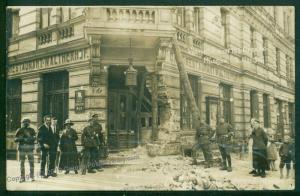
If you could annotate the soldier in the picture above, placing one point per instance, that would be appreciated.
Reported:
(90, 143)
(98, 130)
(203, 137)
(224, 133)
(25, 136)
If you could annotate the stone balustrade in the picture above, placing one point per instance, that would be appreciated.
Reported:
(131, 15)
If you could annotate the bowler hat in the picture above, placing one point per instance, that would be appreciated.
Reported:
(68, 121)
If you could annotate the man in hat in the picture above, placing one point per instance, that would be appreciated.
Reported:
(203, 137)
(90, 143)
(98, 130)
(48, 144)
(25, 137)
(224, 133)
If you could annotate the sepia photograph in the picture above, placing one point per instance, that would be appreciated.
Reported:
(164, 98)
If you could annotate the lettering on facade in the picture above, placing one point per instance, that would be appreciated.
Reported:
(49, 62)
(79, 101)
(207, 67)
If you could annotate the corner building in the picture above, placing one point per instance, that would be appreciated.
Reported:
(71, 62)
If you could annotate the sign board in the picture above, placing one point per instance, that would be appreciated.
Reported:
(79, 101)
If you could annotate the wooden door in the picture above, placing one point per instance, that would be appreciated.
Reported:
(121, 119)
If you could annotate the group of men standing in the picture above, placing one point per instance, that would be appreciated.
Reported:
(49, 139)
(223, 135)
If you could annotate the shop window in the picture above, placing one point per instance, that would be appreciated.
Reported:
(13, 104)
(266, 108)
(56, 96)
(225, 102)
(279, 119)
(186, 120)
(291, 111)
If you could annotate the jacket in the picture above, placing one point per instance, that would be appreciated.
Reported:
(25, 136)
(260, 139)
(224, 132)
(89, 137)
(203, 134)
(46, 136)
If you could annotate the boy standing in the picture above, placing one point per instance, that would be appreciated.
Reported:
(285, 157)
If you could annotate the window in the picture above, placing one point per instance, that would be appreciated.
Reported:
(13, 20)
(279, 119)
(277, 60)
(225, 102)
(286, 21)
(56, 96)
(291, 119)
(291, 69)
(224, 29)
(288, 71)
(252, 42)
(266, 108)
(45, 14)
(197, 19)
(65, 14)
(186, 120)
(13, 104)
(265, 51)
(275, 13)
(254, 109)
(181, 16)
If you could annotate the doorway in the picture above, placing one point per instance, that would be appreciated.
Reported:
(125, 107)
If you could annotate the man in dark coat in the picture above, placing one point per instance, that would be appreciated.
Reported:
(48, 144)
(224, 134)
(90, 143)
(203, 137)
(260, 141)
(25, 136)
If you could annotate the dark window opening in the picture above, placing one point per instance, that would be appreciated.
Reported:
(13, 104)
(225, 102)
(266, 108)
(254, 108)
(56, 96)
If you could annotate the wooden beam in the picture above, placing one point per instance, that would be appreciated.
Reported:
(186, 83)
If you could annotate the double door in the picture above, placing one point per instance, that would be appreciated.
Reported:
(122, 125)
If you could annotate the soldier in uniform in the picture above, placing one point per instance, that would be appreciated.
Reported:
(224, 133)
(25, 136)
(90, 143)
(98, 130)
(203, 137)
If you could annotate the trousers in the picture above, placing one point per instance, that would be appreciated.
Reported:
(22, 157)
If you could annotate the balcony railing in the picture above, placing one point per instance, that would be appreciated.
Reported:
(131, 15)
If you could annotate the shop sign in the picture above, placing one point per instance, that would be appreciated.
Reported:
(79, 101)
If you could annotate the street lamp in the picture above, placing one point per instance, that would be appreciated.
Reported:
(130, 73)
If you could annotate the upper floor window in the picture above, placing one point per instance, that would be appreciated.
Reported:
(266, 108)
(286, 21)
(197, 18)
(277, 60)
(224, 30)
(65, 14)
(180, 16)
(252, 41)
(254, 108)
(13, 20)
(265, 51)
(288, 67)
(45, 14)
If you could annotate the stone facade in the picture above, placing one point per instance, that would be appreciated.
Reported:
(216, 46)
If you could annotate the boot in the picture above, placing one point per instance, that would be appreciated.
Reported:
(194, 162)
(287, 173)
(281, 175)
(229, 169)
(76, 172)
(224, 167)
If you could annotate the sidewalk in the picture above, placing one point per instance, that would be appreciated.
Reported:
(134, 170)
